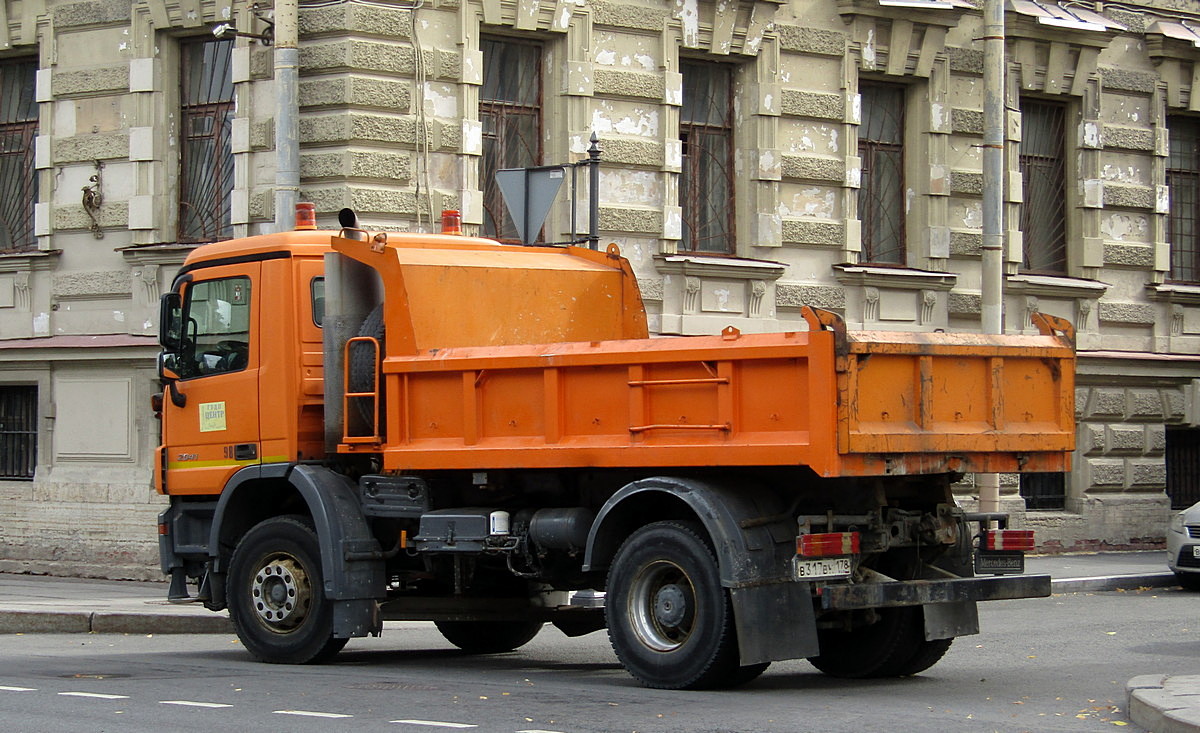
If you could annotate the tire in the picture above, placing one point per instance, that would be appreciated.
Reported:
(489, 637)
(928, 654)
(364, 368)
(883, 649)
(1188, 581)
(276, 594)
(670, 621)
(749, 673)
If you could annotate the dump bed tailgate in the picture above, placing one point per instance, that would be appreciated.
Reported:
(956, 394)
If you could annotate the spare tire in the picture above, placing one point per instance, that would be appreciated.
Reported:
(364, 367)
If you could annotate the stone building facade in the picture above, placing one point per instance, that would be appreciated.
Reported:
(758, 156)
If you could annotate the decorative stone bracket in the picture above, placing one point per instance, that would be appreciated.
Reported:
(702, 294)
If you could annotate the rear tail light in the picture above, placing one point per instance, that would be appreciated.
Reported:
(1007, 539)
(828, 544)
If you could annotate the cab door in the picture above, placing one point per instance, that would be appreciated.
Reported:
(216, 431)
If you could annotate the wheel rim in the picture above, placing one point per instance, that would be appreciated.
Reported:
(281, 593)
(662, 606)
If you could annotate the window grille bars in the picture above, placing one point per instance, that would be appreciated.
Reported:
(1044, 175)
(206, 152)
(881, 194)
(706, 180)
(18, 177)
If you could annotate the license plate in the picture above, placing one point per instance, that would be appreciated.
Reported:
(826, 567)
(1195, 550)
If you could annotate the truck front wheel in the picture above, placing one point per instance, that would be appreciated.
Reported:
(276, 596)
(669, 619)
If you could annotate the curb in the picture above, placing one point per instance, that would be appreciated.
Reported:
(1114, 582)
(104, 622)
(1164, 704)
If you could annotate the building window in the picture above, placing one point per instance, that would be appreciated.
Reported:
(1045, 491)
(706, 181)
(206, 153)
(1183, 466)
(881, 196)
(1183, 180)
(18, 432)
(510, 110)
(18, 178)
(1044, 176)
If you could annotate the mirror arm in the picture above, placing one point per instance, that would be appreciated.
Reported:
(179, 399)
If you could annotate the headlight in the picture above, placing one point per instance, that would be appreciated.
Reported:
(1177, 523)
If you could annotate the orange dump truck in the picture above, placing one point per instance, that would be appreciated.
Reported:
(360, 428)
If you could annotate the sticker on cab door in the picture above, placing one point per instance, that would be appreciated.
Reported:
(212, 416)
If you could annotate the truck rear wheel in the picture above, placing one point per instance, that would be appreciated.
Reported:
(927, 655)
(276, 594)
(886, 648)
(489, 637)
(669, 619)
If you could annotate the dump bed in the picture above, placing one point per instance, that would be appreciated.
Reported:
(843, 403)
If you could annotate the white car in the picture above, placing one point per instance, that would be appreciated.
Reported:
(1183, 547)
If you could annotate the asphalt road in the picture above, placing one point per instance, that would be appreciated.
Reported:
(1057, 664)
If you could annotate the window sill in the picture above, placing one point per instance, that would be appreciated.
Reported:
(1054, 286)
(1181, 293)
(28, 259)
(894, 277)
(717, 266)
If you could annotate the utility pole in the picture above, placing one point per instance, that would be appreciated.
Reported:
(992, 286)
(287, 113)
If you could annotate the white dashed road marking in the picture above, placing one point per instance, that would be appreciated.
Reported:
(311, 714)
(302, 713)
(194, 704)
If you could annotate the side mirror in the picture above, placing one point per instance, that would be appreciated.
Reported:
(170, 321)
(168, 366)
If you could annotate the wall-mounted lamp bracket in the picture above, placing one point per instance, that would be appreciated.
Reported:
(93, 198)
(262, 13)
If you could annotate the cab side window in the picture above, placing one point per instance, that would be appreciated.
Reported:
(317, 287)
(216, 327)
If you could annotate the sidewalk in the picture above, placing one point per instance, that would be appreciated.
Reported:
(42, 604)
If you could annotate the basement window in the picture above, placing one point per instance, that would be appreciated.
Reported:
(18, 432)
(1044, 491)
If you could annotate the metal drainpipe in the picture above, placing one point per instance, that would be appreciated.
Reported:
(992, 290)
(287, 115)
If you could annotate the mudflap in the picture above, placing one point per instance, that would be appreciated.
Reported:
(948, 620)
(775, 622)
(359, 617)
